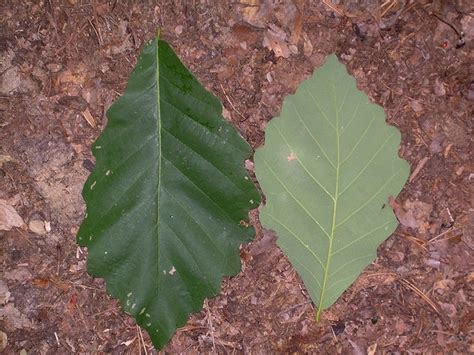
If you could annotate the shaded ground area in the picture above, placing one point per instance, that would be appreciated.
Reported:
(64, 62)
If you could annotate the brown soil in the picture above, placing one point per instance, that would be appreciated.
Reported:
(64, 62)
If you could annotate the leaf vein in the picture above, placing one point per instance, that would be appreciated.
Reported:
(219, 250)
(319, 107)
(296, 200)
(368, 163)
(343, 266)
(313, 137)
(360, 238)
(203, 157)
(368, 200)
(304, 167)
(197, 187)
(189, 287)
(354, 114)
(298, 239)
(359, 141)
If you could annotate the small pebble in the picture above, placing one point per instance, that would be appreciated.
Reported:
(178, 30)
(54, 67)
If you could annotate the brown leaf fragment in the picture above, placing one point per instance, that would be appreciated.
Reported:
(467, 320)
(255, 13)
(449, 309)
(266, 242)
(443, 285)
(275, 40)
(40, 282)
(9, 218)
(298, 26)
(401, 327)
(244, 33)
(102, 9)
(73, 102)
(413, 214)
(13, 318)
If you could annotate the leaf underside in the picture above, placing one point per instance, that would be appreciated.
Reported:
(328, 165)
(165, 201)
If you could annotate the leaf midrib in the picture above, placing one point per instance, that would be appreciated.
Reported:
(336, 196)
(158, 128)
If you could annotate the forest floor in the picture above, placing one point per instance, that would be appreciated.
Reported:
(63, 64)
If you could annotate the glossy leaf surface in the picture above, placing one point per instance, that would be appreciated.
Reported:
(167, 197)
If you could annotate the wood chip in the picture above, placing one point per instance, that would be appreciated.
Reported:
(298, 26)
(420, 166)
(37, 227)
(88, 117)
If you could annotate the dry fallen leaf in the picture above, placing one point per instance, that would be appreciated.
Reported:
(298, 26)
(256, 12)
(9, 218)
(40, 282)
(14, 318)
(275, 40)
(443, 285)
(413, 214)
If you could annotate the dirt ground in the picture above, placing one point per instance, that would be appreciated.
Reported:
(64, 62)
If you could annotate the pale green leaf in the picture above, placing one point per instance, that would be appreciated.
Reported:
(327, 168)
(167, 198)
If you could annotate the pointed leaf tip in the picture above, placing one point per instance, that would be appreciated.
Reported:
(166, 197)
(328, 165)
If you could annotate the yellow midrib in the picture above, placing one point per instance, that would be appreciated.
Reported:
(333, 227)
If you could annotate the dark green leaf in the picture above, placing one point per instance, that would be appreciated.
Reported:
(165, 201)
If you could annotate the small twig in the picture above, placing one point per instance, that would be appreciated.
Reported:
(72, 38)
(57, 338)
(390, 22)
(99, 40)
(84, 286)
(388, 4)
(96, 30)
(334, 8)
(435, 239)
(141, 341)
(460, 34)
(294, 307)
(333, 334)
(211, 329)
(231, 104)
(420, 166)
(190, 328)
(417, 241)
(420, 293)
